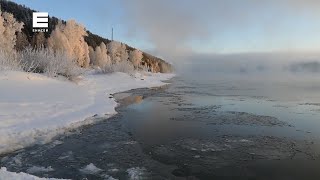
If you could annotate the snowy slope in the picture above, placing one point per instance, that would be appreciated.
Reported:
(35, 108)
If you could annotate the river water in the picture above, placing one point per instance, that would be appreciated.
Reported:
(200, 126)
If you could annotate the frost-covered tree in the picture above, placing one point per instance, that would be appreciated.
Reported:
(102, 59)
(100, 56)
(39, 40)
(69, 38)
(165, 68)
(22, 41)
(117, 51)
(135, 57)
(92, 55)
(9, 26)
(75, 34)
(113, 47)
(58, 41)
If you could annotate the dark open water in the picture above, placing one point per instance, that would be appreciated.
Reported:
(202, 126)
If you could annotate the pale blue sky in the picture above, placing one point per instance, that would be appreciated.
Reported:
(205, 26)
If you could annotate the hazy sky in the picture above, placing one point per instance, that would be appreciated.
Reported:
(199, 26)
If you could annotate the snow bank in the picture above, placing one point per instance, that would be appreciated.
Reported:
(35, 108)
(6, 175)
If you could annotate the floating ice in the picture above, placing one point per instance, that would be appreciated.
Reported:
(39, 169)
(90, 169)
(108, 177)
(136, 173)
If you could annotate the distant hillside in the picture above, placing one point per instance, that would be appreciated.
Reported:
(27, 37)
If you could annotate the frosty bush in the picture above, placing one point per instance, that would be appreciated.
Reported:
(51, 63)
(8, 61)
(122, 66)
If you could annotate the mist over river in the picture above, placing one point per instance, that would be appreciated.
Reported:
(245, 121)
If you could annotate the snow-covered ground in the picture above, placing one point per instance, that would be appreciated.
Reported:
(7, 175)
(35, 108)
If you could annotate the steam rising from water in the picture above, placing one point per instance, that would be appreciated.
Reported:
(181, 30)
(255, 63)
(177, 28)
(276, 76)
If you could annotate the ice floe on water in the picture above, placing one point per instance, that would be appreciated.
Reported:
(56, 143)
(90, 169)
(136, 173)
(66, 155)
(130, 142)
(94, 170)
(39, 169)
(108, 177)
(15, 161)
(238, 140)
(113, 170)
(203, 146)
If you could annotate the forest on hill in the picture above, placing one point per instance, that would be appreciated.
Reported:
(68, 40)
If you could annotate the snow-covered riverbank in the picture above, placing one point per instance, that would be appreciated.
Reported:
(35, 108)
(7, 175)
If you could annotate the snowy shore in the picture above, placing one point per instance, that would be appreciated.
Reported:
(35, 108)
(7, 175)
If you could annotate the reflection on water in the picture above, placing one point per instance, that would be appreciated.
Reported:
(129, 99)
